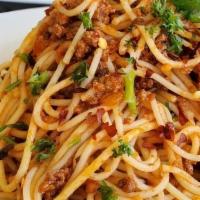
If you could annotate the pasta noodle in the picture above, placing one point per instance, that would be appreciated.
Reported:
(101, 101)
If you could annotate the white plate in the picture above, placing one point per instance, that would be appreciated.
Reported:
(30, 1)
(14, 27)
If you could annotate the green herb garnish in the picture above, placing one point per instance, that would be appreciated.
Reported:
(190, 9)
(158, 8)
(130, 43)
(19, 125)
(76, 140)
(123, 148)
(38, 81)
(167, 104)
(12, 86)
(8, 139)
(176, 44)
(152, 30)
(45, 148)
(131, 60)
(85, 18)
(4, 151)
(80, 73)
(107, 192)
(170, 23)
(130, 97)
(25, 57)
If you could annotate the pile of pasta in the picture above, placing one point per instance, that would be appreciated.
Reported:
(112, 116)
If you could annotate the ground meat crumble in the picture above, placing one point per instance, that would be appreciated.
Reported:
(54, 183)
(106, 85)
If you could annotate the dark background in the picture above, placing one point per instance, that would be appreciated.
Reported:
(5, 7)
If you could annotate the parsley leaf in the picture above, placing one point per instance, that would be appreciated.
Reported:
(38, 81)
(130, 43)
(85, 18)
(80, 73)
(194, 16)
(190, 9)
(123, 148)
(131, 60)
(75, 140)
(24, 57)
(107, 192)
(8, 139)
(167, 104)
(45, 148)
(12, 86)
(4, 151)
(130, 97)
(171, 24)
(152, 30)
(176, 44)
(19, 125)
(158, 7)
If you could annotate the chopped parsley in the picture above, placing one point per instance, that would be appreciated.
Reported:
(8, 139)
(80, 73)
(107, 192)
(12, 86)
(176, 44)
(130, 98)
(170, 23)
(158, 8)
(4, 151)
(38, 81)
(123, 148)
(44, 148)
(85, 18)
(167, 104)
(25, 57)
(76, 140)
(189, 8)
(130, 43)
(131, 60)
(152, 30)
(19, 125)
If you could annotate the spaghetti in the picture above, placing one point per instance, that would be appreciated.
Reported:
(102, 101)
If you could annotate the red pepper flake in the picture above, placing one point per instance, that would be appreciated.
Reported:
(91, 119)
(169, 131)
(91, 186)
(128, 121)
(100, 113)
(181, 117)
(182, 139)
(149, 73)
(62, 114)
(148, 145)
(111, 130)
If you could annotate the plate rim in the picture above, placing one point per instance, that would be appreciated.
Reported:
(9, 42)
(23, 10)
